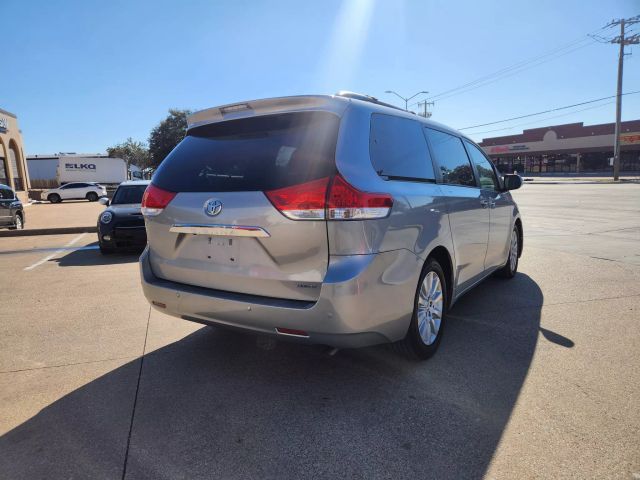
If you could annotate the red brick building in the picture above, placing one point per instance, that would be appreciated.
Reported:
(569, 148)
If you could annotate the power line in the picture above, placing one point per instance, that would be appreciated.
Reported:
(546, 111)
(542, 119)
(517, 67)
(513, 72)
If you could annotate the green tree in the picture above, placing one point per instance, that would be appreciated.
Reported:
(132, 152)
(167, 134)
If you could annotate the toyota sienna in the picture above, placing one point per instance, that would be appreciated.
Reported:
(334, 220)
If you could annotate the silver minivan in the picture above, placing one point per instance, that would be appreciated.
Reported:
(334, 220)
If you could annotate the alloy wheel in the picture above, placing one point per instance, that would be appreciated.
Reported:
(430, 307)
(513, 253)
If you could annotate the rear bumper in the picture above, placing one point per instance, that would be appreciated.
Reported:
(364, 300)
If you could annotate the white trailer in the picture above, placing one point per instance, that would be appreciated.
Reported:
(103, 170)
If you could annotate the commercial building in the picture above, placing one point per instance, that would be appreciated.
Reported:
(13, 168)
(569, 148)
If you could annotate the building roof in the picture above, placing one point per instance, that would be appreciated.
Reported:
(568, 130)
(55, 156)
(4, 112)
(135, 182)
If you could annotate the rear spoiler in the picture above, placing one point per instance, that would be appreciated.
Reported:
(254, 108)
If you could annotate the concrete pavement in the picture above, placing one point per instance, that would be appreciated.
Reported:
(71, 216)
(536, 378)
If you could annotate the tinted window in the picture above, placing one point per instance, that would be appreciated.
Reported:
(451, 158)
(6, 194)
(398, 148)
(252, 154)
(128, 194)
(486, 173)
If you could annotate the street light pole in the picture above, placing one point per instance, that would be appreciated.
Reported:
(406, 99)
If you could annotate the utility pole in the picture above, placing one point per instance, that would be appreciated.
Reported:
(622, 40)
(425, 113)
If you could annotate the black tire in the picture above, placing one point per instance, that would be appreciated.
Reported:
(54, 198)
(413, 345)
(92, 196)
(510, 268)
(18, 223)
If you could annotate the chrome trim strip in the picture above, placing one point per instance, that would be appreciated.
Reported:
(220, 230)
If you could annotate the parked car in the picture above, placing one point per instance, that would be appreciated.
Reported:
(75, 191)
(334, 220)
(121, 225)
(11, 209)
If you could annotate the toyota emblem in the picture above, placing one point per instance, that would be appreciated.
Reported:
(212, 207)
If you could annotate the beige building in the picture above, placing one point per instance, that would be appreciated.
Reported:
(13, 166)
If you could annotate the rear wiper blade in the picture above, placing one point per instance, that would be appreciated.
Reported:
(223, 175)
(408, 179)
(220, 175)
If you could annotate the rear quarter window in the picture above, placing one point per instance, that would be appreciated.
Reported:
(252, 154)
(398, 148)
(451, 158)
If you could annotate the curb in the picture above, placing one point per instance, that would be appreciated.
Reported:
(47, 231)
(578, 182)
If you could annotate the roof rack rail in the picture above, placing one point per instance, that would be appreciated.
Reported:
(366, 98)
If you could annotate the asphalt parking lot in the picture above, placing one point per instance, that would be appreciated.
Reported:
(537, 377)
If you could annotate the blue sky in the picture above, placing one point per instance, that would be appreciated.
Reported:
(84, 75)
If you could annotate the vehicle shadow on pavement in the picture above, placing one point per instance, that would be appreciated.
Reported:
(92, 256)
(218, 404)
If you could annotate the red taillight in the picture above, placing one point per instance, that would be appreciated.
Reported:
(345, 202)
(301, 202)
(154, 200)
(310, 201)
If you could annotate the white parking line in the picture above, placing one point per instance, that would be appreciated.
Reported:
(49, 257)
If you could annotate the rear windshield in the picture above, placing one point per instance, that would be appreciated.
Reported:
(252, 154)
(129, 194)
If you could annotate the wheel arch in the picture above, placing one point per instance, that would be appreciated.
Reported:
(518, 225)
(443, 257)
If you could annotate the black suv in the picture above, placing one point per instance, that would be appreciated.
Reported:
(11, 210)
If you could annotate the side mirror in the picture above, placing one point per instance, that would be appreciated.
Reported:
(104, 201)
(512, 181)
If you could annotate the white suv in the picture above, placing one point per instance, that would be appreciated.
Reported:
(75, 191)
